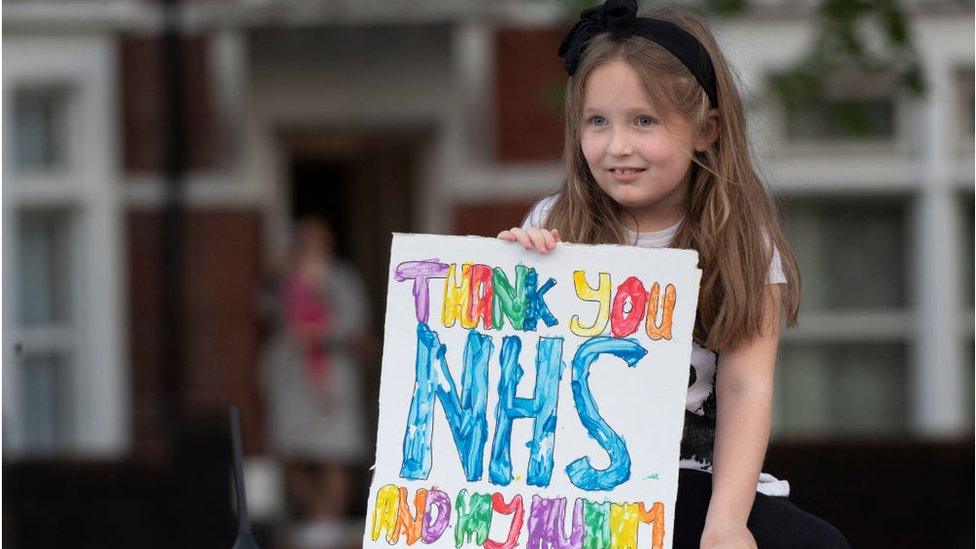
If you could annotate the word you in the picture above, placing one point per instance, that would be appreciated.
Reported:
(602, 525)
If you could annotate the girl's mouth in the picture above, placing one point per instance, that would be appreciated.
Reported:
(626, 175)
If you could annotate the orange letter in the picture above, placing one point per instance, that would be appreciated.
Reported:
(663, 330)
(654, 517)
(407, 523)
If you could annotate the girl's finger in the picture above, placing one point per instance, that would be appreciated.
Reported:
(550, 241)
(555, 235)
(506, 235)
(523, 237)
(539, 241)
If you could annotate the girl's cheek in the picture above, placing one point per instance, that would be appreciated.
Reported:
(592, 148)
(658, 151)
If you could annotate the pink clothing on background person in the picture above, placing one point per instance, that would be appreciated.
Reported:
(307, 310)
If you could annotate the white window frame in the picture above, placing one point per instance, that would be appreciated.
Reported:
(899, 144)
(826, 327)
(89, 188)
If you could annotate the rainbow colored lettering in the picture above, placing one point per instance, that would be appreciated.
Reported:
(602, 525)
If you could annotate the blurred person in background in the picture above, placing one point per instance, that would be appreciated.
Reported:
(311, 372)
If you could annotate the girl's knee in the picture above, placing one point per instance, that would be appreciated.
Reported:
(823, 535)
(779, 523)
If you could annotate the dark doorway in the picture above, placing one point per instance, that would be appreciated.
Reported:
(319, 187)
(365, 185)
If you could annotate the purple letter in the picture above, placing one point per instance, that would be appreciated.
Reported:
(431, 531)
(420, 271)
(546, 522)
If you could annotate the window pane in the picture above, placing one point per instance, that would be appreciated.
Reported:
(41, 127)
(44, 267)
(45, 401)
(872, 118)
(968, 379)
(841, 389)
(967, 102)
(967, 222)
(851, 253)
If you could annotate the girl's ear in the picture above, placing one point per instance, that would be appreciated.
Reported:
(709, 134)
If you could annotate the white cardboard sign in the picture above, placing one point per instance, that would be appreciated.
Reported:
(530, 400)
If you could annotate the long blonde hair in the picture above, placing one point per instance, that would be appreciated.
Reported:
(730, 219)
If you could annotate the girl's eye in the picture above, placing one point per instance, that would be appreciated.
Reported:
(597, 120)
(644, 120)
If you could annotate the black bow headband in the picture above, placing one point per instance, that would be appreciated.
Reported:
(619, 18)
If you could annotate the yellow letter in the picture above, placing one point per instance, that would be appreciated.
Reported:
(385, 512)
(586, 293)
(663, 330)
(626, 517)
(456, 297)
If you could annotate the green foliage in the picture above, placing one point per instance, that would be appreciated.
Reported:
(724, 7)
(841, 47)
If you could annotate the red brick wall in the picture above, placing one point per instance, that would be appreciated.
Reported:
(489, 218)
(142, 112)
(529, 88)
(220, 327)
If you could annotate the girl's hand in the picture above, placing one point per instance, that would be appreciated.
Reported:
(542, 240)
(727, 535)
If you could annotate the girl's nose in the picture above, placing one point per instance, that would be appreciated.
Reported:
(620, 145)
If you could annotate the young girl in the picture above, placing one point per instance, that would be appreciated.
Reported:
(656, 155)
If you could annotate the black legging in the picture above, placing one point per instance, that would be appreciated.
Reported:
(775, 522)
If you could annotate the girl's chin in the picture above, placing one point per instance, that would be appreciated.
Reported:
(632, 201)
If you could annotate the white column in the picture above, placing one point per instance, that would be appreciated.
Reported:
(935, 385)
(464, 129)
(228, 49)
(103, 418)
(474, 74)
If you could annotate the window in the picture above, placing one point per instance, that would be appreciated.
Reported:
(45, 269)
(41, 126)
(46, 402)
(851, 253)
(844, 371)
(854, 109)
(842, 389)
(967, 224)
(46, 335)
(65, 390)
(966, 105)
(968, 378)
(867, 119)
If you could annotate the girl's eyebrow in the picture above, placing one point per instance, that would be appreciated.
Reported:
(631, 111)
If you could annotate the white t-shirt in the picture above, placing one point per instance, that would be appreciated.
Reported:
(697, 442)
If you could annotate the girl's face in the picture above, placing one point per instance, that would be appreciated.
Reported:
(642, 164)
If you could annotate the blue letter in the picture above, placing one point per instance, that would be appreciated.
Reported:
(542, 408)
(580, 472)
(466, 416)
(536, 307)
